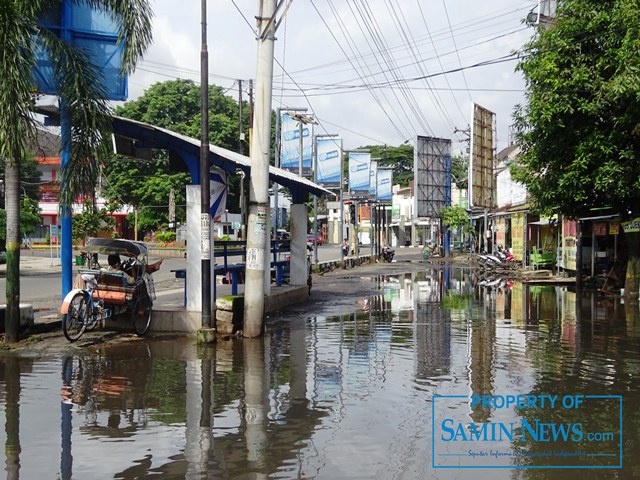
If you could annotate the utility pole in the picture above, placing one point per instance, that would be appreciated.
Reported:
(205, 193)
(240, 127)
(257, 253)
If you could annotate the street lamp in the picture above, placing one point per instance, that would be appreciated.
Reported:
(303, 119)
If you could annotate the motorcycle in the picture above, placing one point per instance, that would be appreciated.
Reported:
(388, 254)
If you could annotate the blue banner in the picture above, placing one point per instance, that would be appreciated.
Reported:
(329, 161)
(384, 186)
(373, 180)
(290, 145)
(359, 176)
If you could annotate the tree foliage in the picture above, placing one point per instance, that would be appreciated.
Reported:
(90, 221)
(579, 130)
(79, 82)
(455, 217)
(399, 158)
(30, 218)
(175, 105)
(146, 185)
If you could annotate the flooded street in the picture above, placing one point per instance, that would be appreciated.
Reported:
(412, 384)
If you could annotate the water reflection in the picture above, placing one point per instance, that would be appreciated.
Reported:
(328, 397)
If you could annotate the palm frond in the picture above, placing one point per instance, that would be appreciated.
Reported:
(134, 20)
(17, 59)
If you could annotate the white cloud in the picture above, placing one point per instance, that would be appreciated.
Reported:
(482, 31)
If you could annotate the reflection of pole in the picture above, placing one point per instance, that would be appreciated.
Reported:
(257, 255)
(12, 417)
(254, 397)
(66, 426)
(198, 423)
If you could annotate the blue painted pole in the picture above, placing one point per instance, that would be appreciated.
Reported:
(65, 213)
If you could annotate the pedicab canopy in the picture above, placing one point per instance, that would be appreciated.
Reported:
(106, 246)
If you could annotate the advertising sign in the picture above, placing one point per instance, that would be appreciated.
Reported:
(218, 192)
(329, 161)
(384, 188)
(359, 176)
(432, 173)
(373, 179)
(517, 235)
(481, 180)
(92, 30)
(569, 244)
(290, 145)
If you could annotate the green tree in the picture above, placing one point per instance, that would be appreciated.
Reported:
(90, 221)
(579, 130)
(80, 84)
(30, 218)
(146, 186)
(175, 105)
(399, 158)
(455, 217)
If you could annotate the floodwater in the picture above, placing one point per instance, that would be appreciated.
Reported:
(385, 392)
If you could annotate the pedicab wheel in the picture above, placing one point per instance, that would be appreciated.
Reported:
(141, 314)
(74, 322)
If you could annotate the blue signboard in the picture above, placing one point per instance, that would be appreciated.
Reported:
(329, 161)
(290, 145)
(359, 176)
(94, 32)
(385, 184)
(373, 179)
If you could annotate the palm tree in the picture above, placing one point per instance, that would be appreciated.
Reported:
(79, 83)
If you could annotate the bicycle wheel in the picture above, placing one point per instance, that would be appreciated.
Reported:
(74, 322)
(141, 314)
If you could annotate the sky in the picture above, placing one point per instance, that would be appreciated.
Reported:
(372, 71)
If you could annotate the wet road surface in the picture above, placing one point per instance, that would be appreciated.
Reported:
(375, 377)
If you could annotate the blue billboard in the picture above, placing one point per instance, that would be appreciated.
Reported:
(384, 186)
(290, 145)
(373, 179)
(359, 176)
(329, 161)
(91, 30)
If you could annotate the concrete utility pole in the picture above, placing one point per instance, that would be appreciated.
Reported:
(257, 238)
(205, 192)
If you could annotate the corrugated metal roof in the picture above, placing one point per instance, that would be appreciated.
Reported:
(221, 157)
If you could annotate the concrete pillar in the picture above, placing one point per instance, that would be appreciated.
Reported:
(194, 277)
(414, 233)
(299, 267)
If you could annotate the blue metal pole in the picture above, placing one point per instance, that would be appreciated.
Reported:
(66, 243)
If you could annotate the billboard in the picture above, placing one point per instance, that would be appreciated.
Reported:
(373, 179)
(290, 145)
(432, 174)
(329, 161)
(481, 180)
(91, 30)
(359, 166)
(384, 186)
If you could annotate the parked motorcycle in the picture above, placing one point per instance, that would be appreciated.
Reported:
(388, 254)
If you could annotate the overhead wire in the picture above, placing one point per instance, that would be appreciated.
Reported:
(377, 36)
